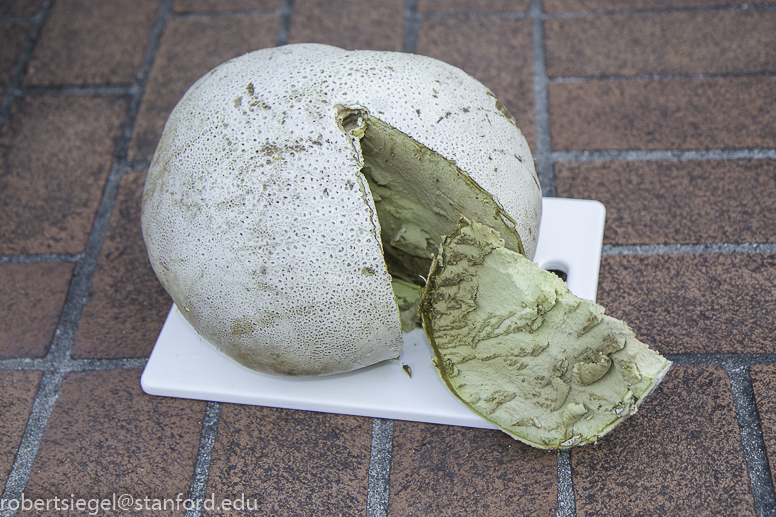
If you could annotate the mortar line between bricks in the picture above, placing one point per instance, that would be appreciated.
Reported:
(207, 440)
(139, 165)
(17, 18)
(93, 365)
(583, 14)
(379, 486)
(723, 360)
(286, 9)
(658, 10)
(31, 439)
(15, 83)
(566, 499)
(44, 257)
(760, 480)
(543, 156)
(756, 153)
(118, 90)
(72, 365)
(469, 15)
(411, 27)
(687, 249)
(228, 14)
(657, 77)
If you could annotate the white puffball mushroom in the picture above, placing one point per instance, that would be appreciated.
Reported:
(291, 184)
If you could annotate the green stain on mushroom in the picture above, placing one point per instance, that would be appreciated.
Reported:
(512, 342)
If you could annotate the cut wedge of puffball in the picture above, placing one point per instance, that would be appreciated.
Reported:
(516, 347)
(293, 185)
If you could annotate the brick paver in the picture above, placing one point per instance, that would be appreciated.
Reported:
(81, 45)
(328, 21)
(14, 36)
(20, 7)
(673, 113)
(32, 297)
(679, 455)
(444, 470)
(678, 202)
(104, 436)
(691, 42)
(56, 158)
(694, 303)
(302, 464)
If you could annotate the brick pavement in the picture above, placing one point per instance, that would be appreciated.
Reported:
(663, 110)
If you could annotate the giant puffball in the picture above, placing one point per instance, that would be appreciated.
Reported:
(292, 185)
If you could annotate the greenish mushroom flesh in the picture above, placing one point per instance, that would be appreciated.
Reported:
(516, 347)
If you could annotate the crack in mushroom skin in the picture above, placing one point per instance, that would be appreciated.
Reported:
(419, 197)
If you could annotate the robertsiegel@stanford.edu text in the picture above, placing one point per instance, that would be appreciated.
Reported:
(128, 502)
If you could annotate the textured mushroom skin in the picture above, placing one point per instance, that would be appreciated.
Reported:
(259, 222)
(512, 342)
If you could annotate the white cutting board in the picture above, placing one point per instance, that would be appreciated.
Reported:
(184, 365)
